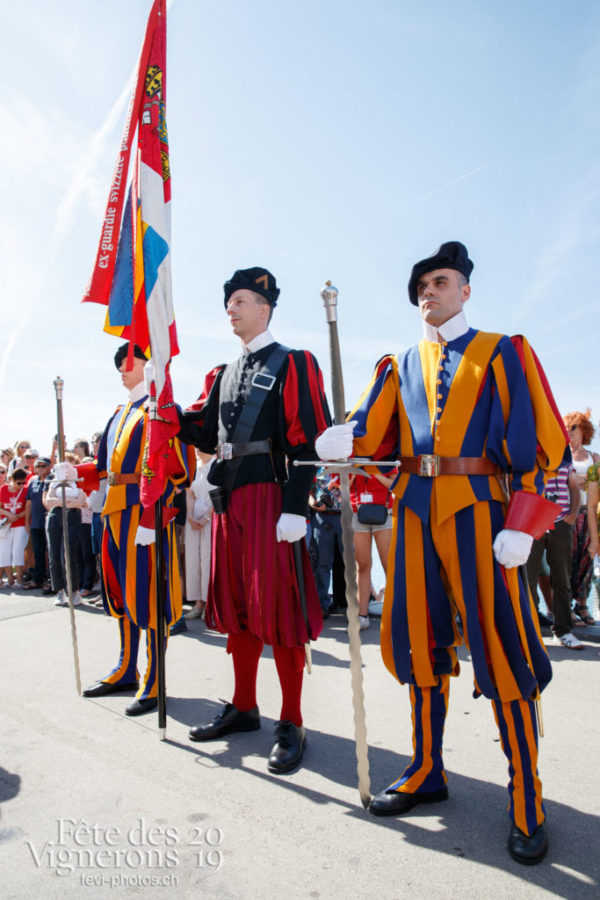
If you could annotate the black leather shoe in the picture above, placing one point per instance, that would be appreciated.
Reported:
(288, 749)
(397, 803)
(101, 688)
(230, 719)
(178, 627)
(139, 707)
(528, 849)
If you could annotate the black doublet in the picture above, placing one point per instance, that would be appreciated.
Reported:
(216, 422)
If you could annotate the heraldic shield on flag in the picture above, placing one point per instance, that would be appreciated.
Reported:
(132, 271)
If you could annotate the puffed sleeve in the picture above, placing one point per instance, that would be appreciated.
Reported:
(376, 414)
(534, 441)
(304, 414)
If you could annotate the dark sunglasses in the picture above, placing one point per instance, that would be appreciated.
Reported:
(18, 482)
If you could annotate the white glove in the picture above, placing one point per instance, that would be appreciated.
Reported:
(336, 442)
(65, 471)
(149, 376)
(512, 548)
(56, 491)
(95, 501)
(291, 527)
(144, 536)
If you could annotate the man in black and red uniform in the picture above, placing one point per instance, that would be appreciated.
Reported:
(258, 414)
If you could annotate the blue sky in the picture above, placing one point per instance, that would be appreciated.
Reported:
(328, 139)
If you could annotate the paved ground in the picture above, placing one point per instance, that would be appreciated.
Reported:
(94, 802)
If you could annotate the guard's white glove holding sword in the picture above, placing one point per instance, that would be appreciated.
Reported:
(65, 471)
(336, 442)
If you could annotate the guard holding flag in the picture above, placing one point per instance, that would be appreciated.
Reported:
(463, 409)
(258, 414)
(128, 568)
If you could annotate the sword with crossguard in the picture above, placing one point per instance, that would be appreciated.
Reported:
(329, 295)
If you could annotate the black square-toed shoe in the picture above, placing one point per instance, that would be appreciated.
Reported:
(139, 707)
(528, 849)
(102, 688)
(397, 803)
(229, 720)
(288, 749)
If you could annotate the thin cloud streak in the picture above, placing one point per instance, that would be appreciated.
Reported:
(450, 184)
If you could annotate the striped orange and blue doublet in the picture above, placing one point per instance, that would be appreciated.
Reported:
(476, 396)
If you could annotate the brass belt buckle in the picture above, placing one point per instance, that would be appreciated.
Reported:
(225, 451)
(429, 465)
(112, 479)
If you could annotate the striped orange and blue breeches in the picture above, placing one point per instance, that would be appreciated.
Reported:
(439, 571)
(128, 591)
(518, 734)
(126, 670)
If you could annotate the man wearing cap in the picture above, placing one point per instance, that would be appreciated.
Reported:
(259, 414)
(464, 408)
(127, 567)
(35, 518)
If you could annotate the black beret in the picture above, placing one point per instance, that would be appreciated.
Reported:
(123, 350)
(256, 279)
(451, 255)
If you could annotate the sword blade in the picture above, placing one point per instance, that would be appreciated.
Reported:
(358, 697)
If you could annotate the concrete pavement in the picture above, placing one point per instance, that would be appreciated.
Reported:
(94, 804)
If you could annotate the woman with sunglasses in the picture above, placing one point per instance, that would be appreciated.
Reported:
(6, 456)
(581, 431)
(18, 459)
(12, 508)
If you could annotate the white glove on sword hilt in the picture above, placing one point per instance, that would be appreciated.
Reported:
(336, 442)
(65, 471)
(512, 548)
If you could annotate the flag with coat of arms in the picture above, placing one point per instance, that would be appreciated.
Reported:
(132, 270)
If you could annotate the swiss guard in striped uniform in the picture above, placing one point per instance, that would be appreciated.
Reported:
(258, 414)
(128, 569)
(464, 409)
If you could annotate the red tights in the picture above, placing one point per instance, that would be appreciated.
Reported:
(245, 649)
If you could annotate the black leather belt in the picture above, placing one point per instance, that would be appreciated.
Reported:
(249, 448)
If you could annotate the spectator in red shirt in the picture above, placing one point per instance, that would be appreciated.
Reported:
(12, 507)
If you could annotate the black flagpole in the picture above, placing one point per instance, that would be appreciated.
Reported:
(159, 578)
